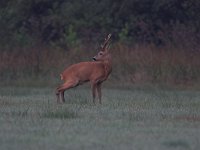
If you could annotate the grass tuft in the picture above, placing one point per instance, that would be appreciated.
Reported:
(20, 113)
(61, 114)
(176, 144)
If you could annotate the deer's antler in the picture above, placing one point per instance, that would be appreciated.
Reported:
(106, 41)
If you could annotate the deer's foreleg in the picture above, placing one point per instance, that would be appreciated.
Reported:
(99, 91)
(94, 89)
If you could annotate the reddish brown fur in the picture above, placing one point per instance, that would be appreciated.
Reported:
(96, 72)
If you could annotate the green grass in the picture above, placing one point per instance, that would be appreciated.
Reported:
(129, 118)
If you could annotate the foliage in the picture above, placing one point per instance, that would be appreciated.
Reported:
(64, 22)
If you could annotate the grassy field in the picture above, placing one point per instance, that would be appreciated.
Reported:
(129, 118)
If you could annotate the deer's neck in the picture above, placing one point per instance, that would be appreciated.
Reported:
(108, 66)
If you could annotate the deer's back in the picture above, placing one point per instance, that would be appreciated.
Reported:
(84, 71)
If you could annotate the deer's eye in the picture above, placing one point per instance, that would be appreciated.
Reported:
(100, 54)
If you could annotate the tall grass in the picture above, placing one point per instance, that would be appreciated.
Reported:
(138, 64)
(141, 64)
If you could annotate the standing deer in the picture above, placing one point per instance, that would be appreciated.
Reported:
(95, 72)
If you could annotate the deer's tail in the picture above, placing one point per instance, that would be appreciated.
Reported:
(61, 76)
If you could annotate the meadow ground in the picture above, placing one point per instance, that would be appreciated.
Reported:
(129, 118)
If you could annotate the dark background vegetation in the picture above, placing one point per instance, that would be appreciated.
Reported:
(154, 41)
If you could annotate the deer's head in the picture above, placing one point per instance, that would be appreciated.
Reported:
(103, 54)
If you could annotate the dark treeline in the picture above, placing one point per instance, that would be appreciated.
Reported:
(154, 41)
(66, 23)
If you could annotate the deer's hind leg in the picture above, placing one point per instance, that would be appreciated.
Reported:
(58, 93)
(61, 89)
(63, 96)
(58, 97)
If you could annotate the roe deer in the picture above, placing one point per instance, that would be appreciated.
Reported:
(95, 71)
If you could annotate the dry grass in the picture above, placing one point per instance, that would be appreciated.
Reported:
(140, 64)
